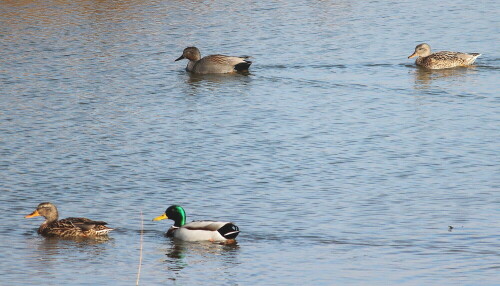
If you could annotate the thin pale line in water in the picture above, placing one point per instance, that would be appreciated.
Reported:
(140, 251)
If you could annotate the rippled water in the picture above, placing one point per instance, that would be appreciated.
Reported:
(340, 161)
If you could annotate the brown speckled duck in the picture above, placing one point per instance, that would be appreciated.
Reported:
(214, 63)
(441, 60)
(68, 227)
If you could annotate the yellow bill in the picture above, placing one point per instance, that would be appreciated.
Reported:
(33, 214)
(412, 55)
(163, 216)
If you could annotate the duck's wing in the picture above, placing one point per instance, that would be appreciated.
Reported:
(446, 59)
(455, 57)
(82, 223)
(469, 59)
(205, 225)
(227, 230)
(221, 64)
(226, 60)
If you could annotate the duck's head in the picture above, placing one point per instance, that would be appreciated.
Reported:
(175, 213)
(190, 53)
(422, 50)
(47, 210)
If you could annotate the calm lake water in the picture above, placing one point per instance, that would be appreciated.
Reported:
(341, 162)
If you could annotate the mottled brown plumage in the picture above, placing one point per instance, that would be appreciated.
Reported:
(441, 60)
(68, 227)
(213, 63)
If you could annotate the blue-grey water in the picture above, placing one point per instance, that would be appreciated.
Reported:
(341, 162)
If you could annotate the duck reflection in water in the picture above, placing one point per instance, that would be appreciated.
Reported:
(218, 78)
(196, 84)
(181, 254)
(425, 77)
(49, 253)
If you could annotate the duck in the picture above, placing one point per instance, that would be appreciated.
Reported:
(71, 227)
(441, 60)
(206, 230)
(213, 64)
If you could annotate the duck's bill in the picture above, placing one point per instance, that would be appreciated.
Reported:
(163, 216)
(180, 58)
(412, 55)
(33, 214)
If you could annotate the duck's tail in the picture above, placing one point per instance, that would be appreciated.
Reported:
(104, 230)
(229, 231)
(473, 58)
(243, 66)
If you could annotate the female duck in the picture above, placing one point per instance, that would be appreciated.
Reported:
(441, 60)
(197, 230)
(213, 63)
(68, 227)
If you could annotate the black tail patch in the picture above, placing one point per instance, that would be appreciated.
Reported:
(243, 66)
(229, 231)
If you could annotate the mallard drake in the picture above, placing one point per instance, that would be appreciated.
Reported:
(213, 63)
(441, 60)
(197, 230)
(68, 227)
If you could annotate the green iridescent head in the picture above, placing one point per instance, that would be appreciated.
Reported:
(175, 213)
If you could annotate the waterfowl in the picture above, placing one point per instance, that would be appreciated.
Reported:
(197, 230)
(441, 60)
(68, 227)
(213, 63)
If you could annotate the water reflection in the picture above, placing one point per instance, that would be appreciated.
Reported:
(199, 83)
(94, 107)
(54, 246)
(49, 253)
(217, 78)
(425, 77)
(181, 254)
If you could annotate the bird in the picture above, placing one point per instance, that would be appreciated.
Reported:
(213, 63)
(441, 60)
(214, 231)
(69, 227)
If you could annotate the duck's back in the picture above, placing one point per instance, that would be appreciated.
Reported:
(75, 227)
(206, 230)
(220, 64)
(446, 59)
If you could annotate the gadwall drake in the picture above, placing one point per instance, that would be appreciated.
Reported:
(213, 63)
(68, 227)
(441, 60)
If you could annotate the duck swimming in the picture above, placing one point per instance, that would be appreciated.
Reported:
(214, 63)
(68, 227)
(197, 230)
(441, 60)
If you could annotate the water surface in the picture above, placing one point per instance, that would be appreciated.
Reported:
(341, 162)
